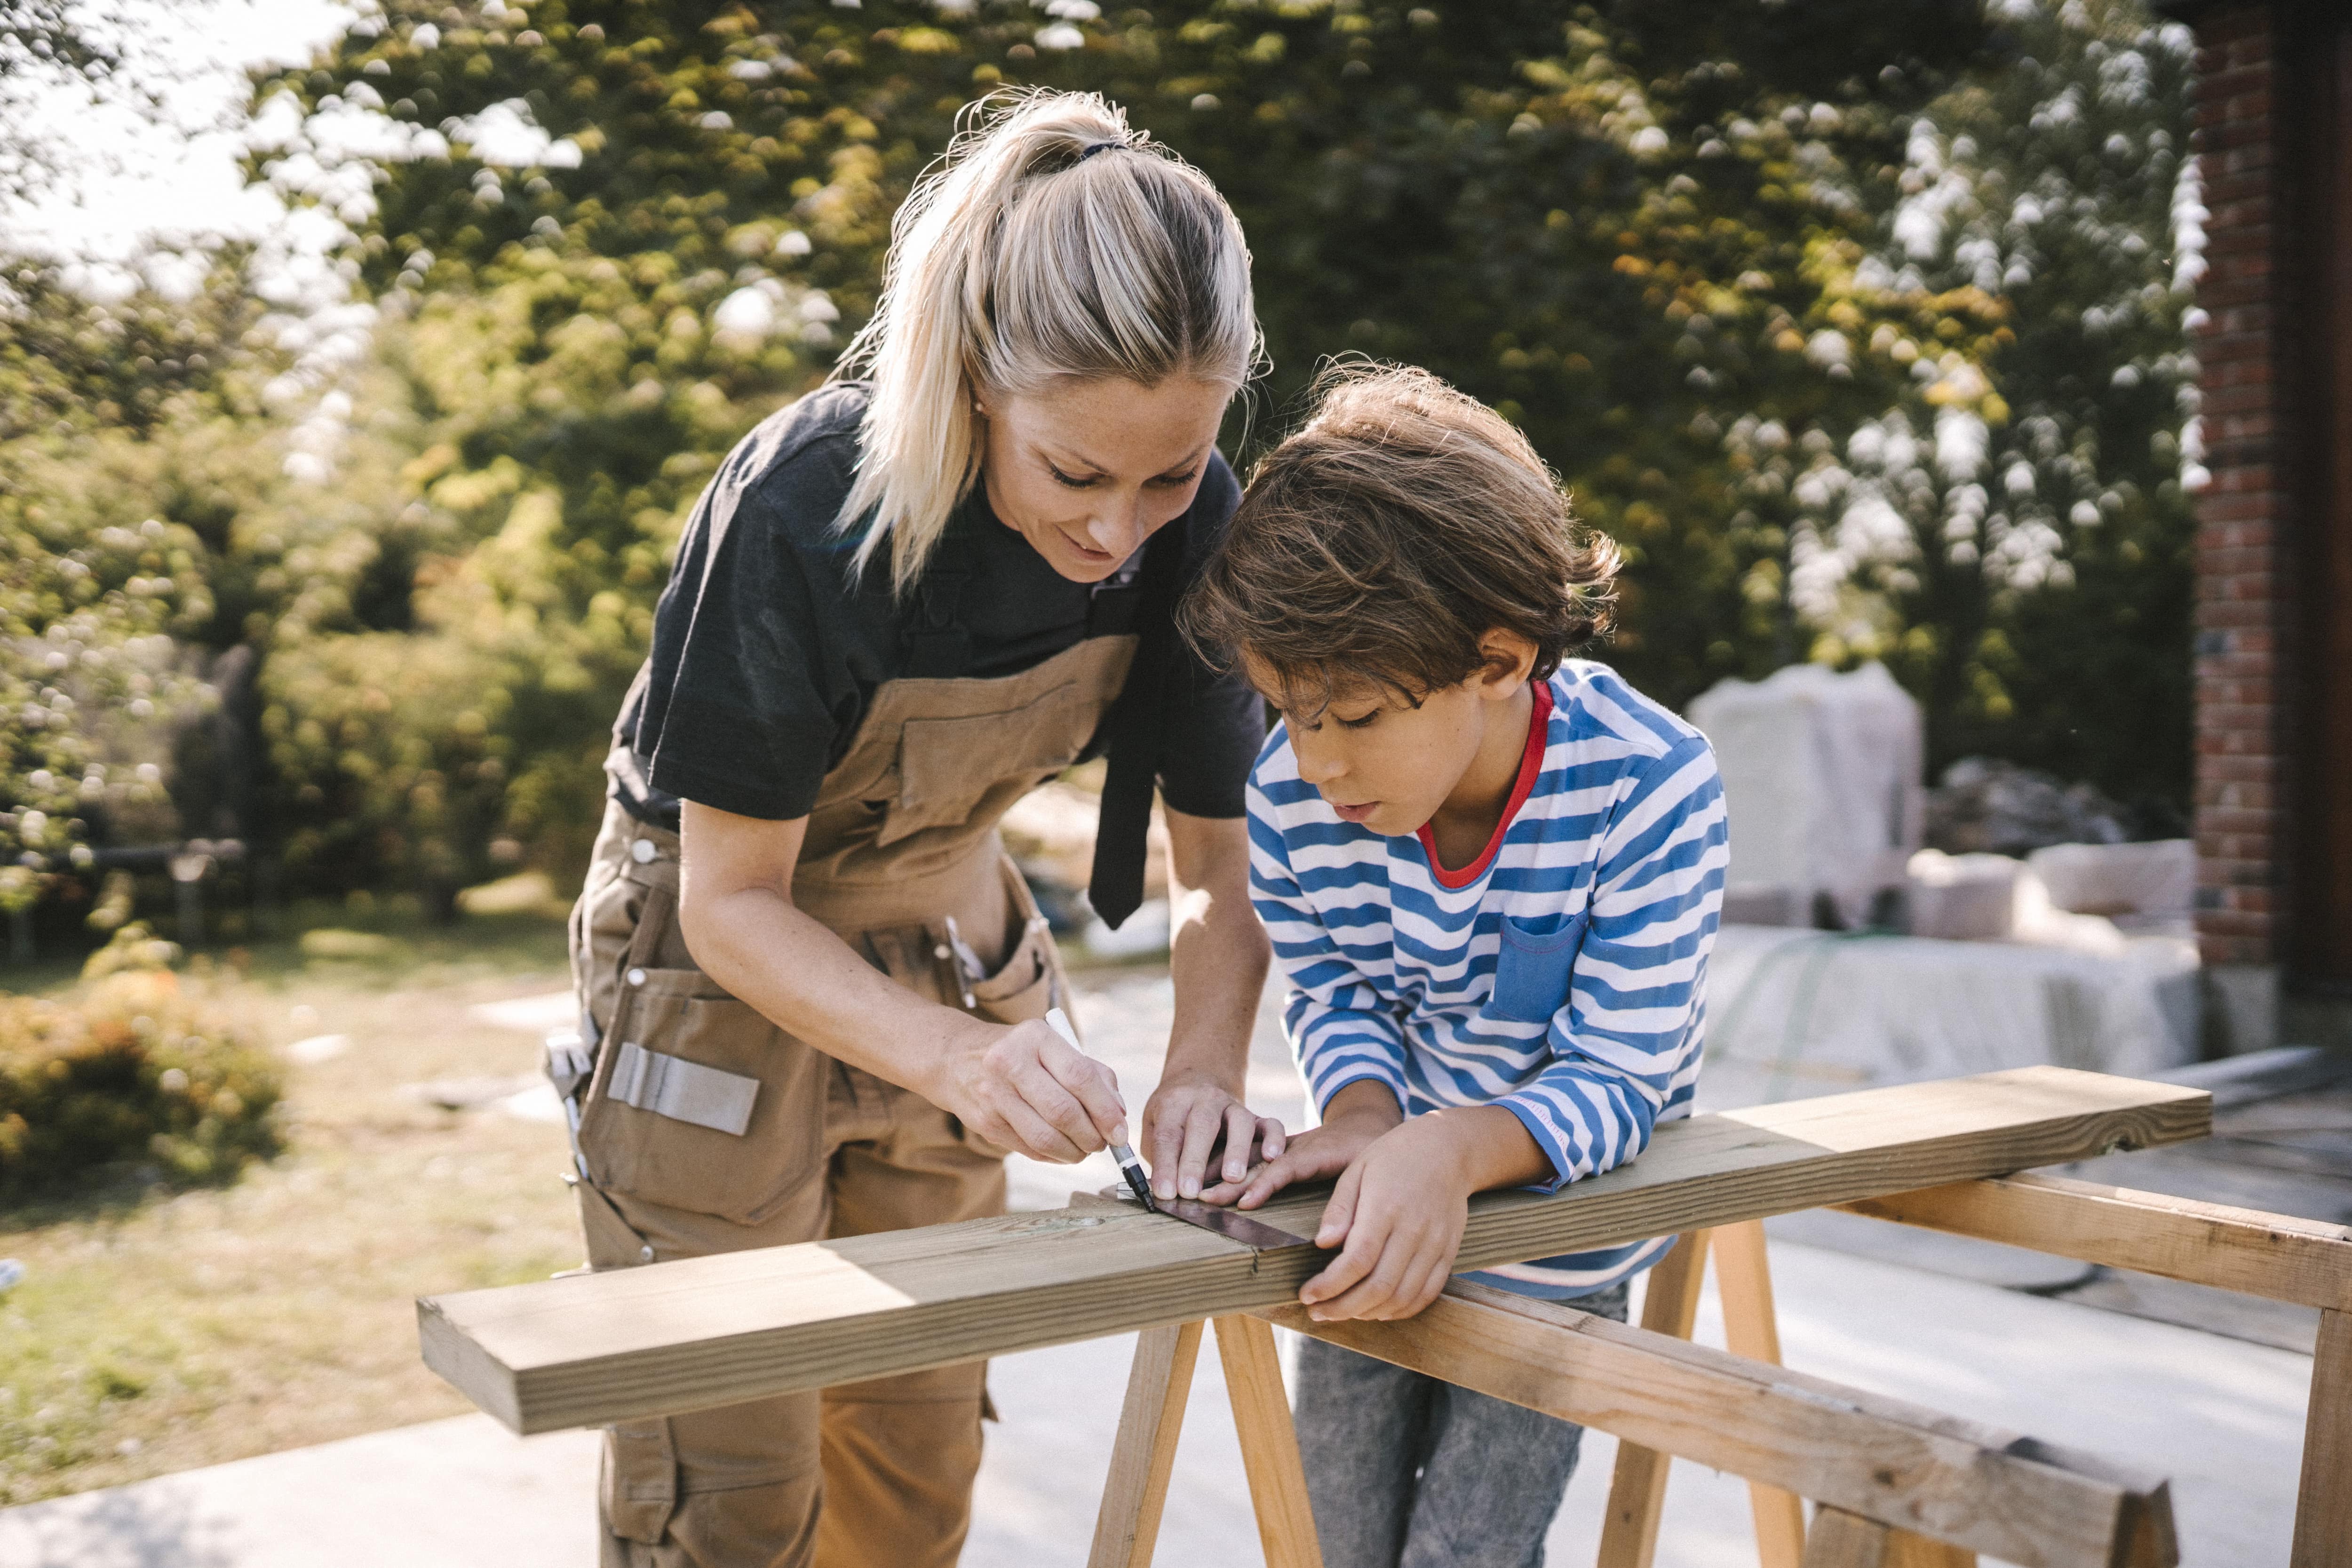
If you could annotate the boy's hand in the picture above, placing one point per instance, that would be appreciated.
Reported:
(1187, 1119)
(1357, 1115)
(1396, 1216)
(1403, 1196)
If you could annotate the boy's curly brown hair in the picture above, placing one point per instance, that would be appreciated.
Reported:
(1401, 523)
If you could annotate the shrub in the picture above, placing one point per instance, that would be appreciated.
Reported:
(139, 1068)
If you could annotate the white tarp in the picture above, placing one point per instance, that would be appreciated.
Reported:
(1792, 1014)
(1821, 773)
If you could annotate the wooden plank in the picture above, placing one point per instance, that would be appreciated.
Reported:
(1277, 1481)
(2323, 1504)
(2279, 1256)
(1128, 1527)
(1963, 1482)
(1909, 1550)
(1743, 1277)
(1637, 1491)
(700, 1332)
(1843, 1539)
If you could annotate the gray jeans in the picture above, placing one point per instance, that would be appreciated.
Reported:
(1408, 1471)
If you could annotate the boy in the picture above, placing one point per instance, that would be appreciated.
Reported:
(1493, 879)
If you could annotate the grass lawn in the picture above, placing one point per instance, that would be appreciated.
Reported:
(157, 1330)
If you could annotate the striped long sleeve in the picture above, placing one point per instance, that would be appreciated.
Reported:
(1621, 1045)
(1561, 976)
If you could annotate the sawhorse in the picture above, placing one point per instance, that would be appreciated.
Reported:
(1899, 1486)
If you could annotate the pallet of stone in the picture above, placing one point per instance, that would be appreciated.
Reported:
(684, 1335)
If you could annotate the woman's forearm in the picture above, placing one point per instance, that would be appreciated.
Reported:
(1017, 1085)
(807, 981)
(1217, 950)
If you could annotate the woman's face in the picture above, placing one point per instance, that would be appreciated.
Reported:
(1088, 471)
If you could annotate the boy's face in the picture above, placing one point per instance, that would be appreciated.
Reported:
(1387, 764)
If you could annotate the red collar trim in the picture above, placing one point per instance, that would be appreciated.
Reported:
(1530, 769)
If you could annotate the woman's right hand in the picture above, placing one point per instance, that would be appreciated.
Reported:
(1024, 1088)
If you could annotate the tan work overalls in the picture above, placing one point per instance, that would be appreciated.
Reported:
(902, 836)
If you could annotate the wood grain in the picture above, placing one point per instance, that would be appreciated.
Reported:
(2323, 1504)
(1637, 1491)
(2278, 1257)
(1743, 1277)
(1961, 1482)
(701, 1331)
(1269, 1443)
(1908, 1551)
(1128, 1527)
(1843, 1539)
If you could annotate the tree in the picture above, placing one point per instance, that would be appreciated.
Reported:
(1674, 241)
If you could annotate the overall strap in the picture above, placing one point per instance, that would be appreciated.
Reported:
(1137, 719)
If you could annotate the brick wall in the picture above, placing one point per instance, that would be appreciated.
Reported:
(2243, 618)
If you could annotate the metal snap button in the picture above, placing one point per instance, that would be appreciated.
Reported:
(636, 977)
(646, 1254)
(643, 850)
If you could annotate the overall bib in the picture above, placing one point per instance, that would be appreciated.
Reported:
(706, 1128)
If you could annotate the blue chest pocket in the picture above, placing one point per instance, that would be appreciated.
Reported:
(1533, 966)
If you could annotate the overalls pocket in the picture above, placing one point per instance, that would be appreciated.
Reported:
(1533, 965)
(700, 1103)
(1022, 986)
(947, 766)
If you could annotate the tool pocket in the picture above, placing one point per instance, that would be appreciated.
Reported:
(1022, 986)
(699, 1102)
(1533, 965)
(640, 1481)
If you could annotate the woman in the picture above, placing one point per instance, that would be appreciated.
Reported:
(813, 983)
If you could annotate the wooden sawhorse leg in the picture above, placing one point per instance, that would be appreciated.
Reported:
(1843, 1539)
(1751, 1328)
(1150, 1422)
(2322, 1506)
(1145, 1449)
(1637, 1494)
(1277, 1481)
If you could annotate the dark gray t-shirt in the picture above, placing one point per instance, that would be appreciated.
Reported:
(766, 655)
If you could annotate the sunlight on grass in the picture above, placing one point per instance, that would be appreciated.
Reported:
(156, 1330)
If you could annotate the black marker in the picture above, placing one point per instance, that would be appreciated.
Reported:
(1129, 1165)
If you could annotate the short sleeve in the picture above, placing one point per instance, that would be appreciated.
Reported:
(1216, 720)
(750, 689)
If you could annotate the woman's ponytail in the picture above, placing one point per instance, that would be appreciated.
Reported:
(1051, 241)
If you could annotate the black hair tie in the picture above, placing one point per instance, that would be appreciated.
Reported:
(1098, 147)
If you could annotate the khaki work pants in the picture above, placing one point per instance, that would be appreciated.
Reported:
(876, 1473)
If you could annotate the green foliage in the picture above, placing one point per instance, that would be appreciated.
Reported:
(104, 553)
(1859, 327)
(1661, 237)
(137, 1069)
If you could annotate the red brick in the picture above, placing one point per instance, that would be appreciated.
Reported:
(2238, 769)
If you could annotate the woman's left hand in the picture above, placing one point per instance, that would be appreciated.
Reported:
(1191, 1122)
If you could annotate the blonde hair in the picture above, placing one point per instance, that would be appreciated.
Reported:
(1051, 241)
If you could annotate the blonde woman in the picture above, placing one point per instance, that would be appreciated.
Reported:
(812, 984)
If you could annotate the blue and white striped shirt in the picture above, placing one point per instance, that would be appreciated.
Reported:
(1560, 975)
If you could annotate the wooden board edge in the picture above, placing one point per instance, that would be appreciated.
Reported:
(2069, 1218)
(2127, 1510)
(472, 1370)
(551, 1393)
